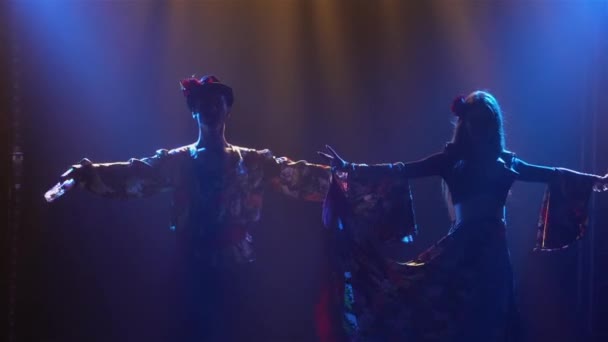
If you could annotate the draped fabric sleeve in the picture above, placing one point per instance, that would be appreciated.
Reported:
(564, 211)
(136, 178)
(298, 179)
(377, 198)
(565, 207)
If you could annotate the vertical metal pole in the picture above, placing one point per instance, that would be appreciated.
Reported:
(591, 144)
(596, 94)
(16, 182)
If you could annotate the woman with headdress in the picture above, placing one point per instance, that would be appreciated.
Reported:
(460, 289)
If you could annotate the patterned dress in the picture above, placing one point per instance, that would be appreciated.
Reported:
(217, 199)
(461, 288)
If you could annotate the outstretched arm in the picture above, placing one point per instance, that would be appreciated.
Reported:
(429, 166)
(432, 165)
(564, 212)
(297, 179)
(536, 173)
(131, 179)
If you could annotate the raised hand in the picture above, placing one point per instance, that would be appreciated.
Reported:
(333, 159)
(78, 172)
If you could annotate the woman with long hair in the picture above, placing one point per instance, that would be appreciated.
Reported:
(460, 289)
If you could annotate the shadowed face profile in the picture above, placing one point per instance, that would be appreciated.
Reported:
(208, 99)
(212, 109)
(480, 125)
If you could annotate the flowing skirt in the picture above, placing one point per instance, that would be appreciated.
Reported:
(460, 289)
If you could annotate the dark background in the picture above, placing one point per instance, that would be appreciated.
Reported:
(375, 79)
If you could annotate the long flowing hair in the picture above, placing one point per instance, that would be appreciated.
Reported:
(479, 114)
